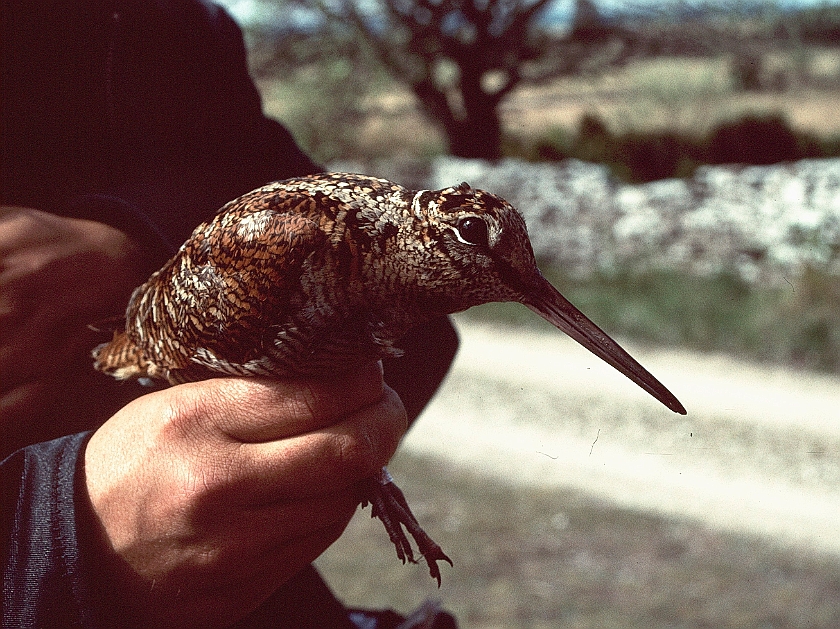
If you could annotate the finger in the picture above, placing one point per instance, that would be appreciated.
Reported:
(15, 228)
(14, 402)
(41, 349)
(16, 308)
(254, 410)
(325, 460)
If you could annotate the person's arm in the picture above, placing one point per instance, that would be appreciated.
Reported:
(191, 505)
(224, 117)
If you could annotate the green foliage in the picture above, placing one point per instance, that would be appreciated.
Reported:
(326, 111)
(814, 312)
(798, 323)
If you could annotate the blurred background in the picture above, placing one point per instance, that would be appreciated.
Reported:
(678, 164)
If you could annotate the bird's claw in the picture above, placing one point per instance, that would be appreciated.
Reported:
(389, 505)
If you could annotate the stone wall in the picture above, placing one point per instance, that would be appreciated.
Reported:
(766, 223)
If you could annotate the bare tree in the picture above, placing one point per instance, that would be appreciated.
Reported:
(462, 57)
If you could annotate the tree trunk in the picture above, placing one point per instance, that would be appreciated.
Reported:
(476, 132)
(476, 137)
(479, 133)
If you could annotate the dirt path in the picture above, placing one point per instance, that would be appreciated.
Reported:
(758, 453)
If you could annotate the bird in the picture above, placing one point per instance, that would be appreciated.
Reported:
(316, 275)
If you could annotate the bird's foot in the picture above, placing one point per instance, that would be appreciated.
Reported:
(389, 505)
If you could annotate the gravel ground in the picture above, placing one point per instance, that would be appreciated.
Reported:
(758, 452)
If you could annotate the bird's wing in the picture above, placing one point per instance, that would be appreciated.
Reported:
(207, 312)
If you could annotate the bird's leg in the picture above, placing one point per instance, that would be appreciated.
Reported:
(380, 509)
(389, 505)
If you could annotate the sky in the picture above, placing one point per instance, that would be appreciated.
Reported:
(264, 12)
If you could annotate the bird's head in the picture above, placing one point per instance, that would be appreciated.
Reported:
(478, 251)
(475, 247)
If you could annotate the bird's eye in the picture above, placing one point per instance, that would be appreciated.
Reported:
(473, 231)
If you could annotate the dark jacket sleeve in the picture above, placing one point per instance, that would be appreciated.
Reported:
(137, 113)
(57, 571)
(44, 582)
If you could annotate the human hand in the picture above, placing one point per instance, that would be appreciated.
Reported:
(213, 494)
(57, 275)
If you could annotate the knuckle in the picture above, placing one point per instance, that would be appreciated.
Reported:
(180, 413)
(306, 400)
(200, 406)
(211, 481)
(356, 453)
(369, 443)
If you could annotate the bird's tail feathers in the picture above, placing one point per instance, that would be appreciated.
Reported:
(120, 358)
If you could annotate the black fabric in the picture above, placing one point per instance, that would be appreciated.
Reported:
(43, 584)
(139, 114)
(142, 104)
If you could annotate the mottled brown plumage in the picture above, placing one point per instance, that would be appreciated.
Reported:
(315, 275)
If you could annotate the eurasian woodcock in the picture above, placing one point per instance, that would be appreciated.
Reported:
(315, 275)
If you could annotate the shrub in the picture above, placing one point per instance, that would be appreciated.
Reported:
(638, 157)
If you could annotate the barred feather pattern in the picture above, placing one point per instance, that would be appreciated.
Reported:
(310, 276)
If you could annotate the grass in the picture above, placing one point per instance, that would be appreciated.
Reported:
(358, 112)
(690, 97)
(528, 558)
(798, 323)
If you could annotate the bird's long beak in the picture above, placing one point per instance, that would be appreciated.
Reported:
(547, 302)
